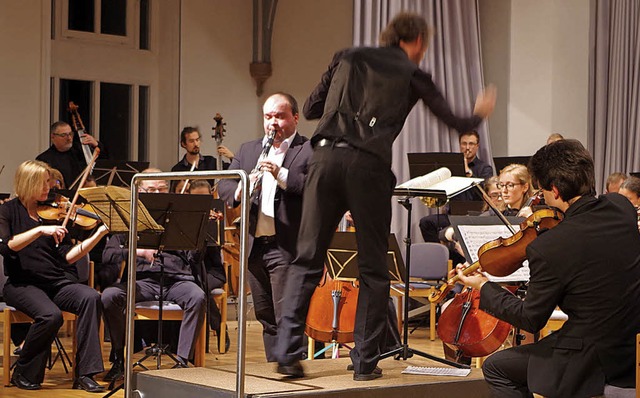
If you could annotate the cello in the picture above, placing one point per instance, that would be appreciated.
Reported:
(463, 324)
(332, 310)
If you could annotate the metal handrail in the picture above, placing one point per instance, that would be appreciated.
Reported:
(131, 285)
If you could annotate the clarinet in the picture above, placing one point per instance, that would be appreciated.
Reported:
(257, 183)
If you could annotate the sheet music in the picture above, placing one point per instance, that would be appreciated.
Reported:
(436, 371)
(475, 236)
(440, 180)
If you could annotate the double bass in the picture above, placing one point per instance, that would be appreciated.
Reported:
(463, 324)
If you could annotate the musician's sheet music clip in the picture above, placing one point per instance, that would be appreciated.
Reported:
(112, 205)
(342, 257)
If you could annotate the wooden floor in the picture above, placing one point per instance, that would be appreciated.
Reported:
(57, 383)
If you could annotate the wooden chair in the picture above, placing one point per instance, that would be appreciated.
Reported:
(149, 311)
(555, 322)
(10, 316)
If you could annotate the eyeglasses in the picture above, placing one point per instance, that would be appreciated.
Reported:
(495, 195)
(63, 135)
(508, 185)
(158, 189)
(469, 144)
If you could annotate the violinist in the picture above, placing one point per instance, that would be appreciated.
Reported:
(35, 256)
(515, 189)
(65, 153)
(589, 266)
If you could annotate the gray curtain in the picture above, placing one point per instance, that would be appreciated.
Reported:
(614, 87)
(453, 59)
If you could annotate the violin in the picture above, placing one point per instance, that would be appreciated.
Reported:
(503, 256)
(83, 216)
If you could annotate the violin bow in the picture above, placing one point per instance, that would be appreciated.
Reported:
(85, 174)
(495, 209)
(186, 182)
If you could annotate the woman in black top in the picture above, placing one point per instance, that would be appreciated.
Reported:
(34, 258)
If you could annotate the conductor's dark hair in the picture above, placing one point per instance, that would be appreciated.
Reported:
(185, 131)
(406, 27)
(293, 104)
(565, 164)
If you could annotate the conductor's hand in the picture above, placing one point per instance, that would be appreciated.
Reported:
(486, 101)
(474, 280)
(57, 232)
(226, 152)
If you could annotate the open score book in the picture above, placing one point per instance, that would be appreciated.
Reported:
(437, 182)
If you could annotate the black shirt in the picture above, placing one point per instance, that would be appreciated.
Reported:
(366, 94)
(205, 163)
(40, 262)
(479, 169)
(70, 163)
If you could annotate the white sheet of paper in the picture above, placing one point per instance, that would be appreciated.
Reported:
(475, 236)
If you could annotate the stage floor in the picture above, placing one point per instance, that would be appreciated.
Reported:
(325, 378)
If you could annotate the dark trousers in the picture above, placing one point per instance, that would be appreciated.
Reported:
(188, 295)
(506, 372)
(215, 318)
(44, 304)
(342, 179)
(268, 271)
(430, 226)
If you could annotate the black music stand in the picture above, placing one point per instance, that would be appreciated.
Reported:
(117, 172)
(425, 163)
(184, 218)
(502, 162)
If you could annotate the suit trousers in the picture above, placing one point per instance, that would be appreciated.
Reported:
(188, 295)
(268, 270)
(342, 179)
(506, 372)
(44, 304)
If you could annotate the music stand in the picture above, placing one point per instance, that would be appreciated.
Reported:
(404, 351)
(502, 162)
(184, 219)
(117, 172)
(342, 265)
(425, 163)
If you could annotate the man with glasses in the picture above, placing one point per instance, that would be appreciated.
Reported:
(179, 286)
(65, 154)
(474, 167)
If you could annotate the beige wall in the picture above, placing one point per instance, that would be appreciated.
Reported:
(24, 111)
(217, 50)
(548, 78)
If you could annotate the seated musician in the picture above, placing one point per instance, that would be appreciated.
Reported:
(216, 276)
(35, 256)
(630, 189)
(179, 287)
(589, 266)
(515, 188)
(474, 167)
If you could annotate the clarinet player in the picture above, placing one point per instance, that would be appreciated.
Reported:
(277, 164)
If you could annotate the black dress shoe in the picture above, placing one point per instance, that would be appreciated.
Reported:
(88, 384)
(116, 372)
(377, 370)
(21, 382)
(180, 363)
(293, 371)
(366, 376)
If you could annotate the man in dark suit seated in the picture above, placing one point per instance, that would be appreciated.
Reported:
(589, 266)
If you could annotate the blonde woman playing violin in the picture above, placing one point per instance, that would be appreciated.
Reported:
(35, 256)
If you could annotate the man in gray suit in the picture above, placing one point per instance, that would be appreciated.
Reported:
(278, 169)
(589, 266)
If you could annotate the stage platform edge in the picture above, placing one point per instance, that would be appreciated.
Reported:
(325, 378)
